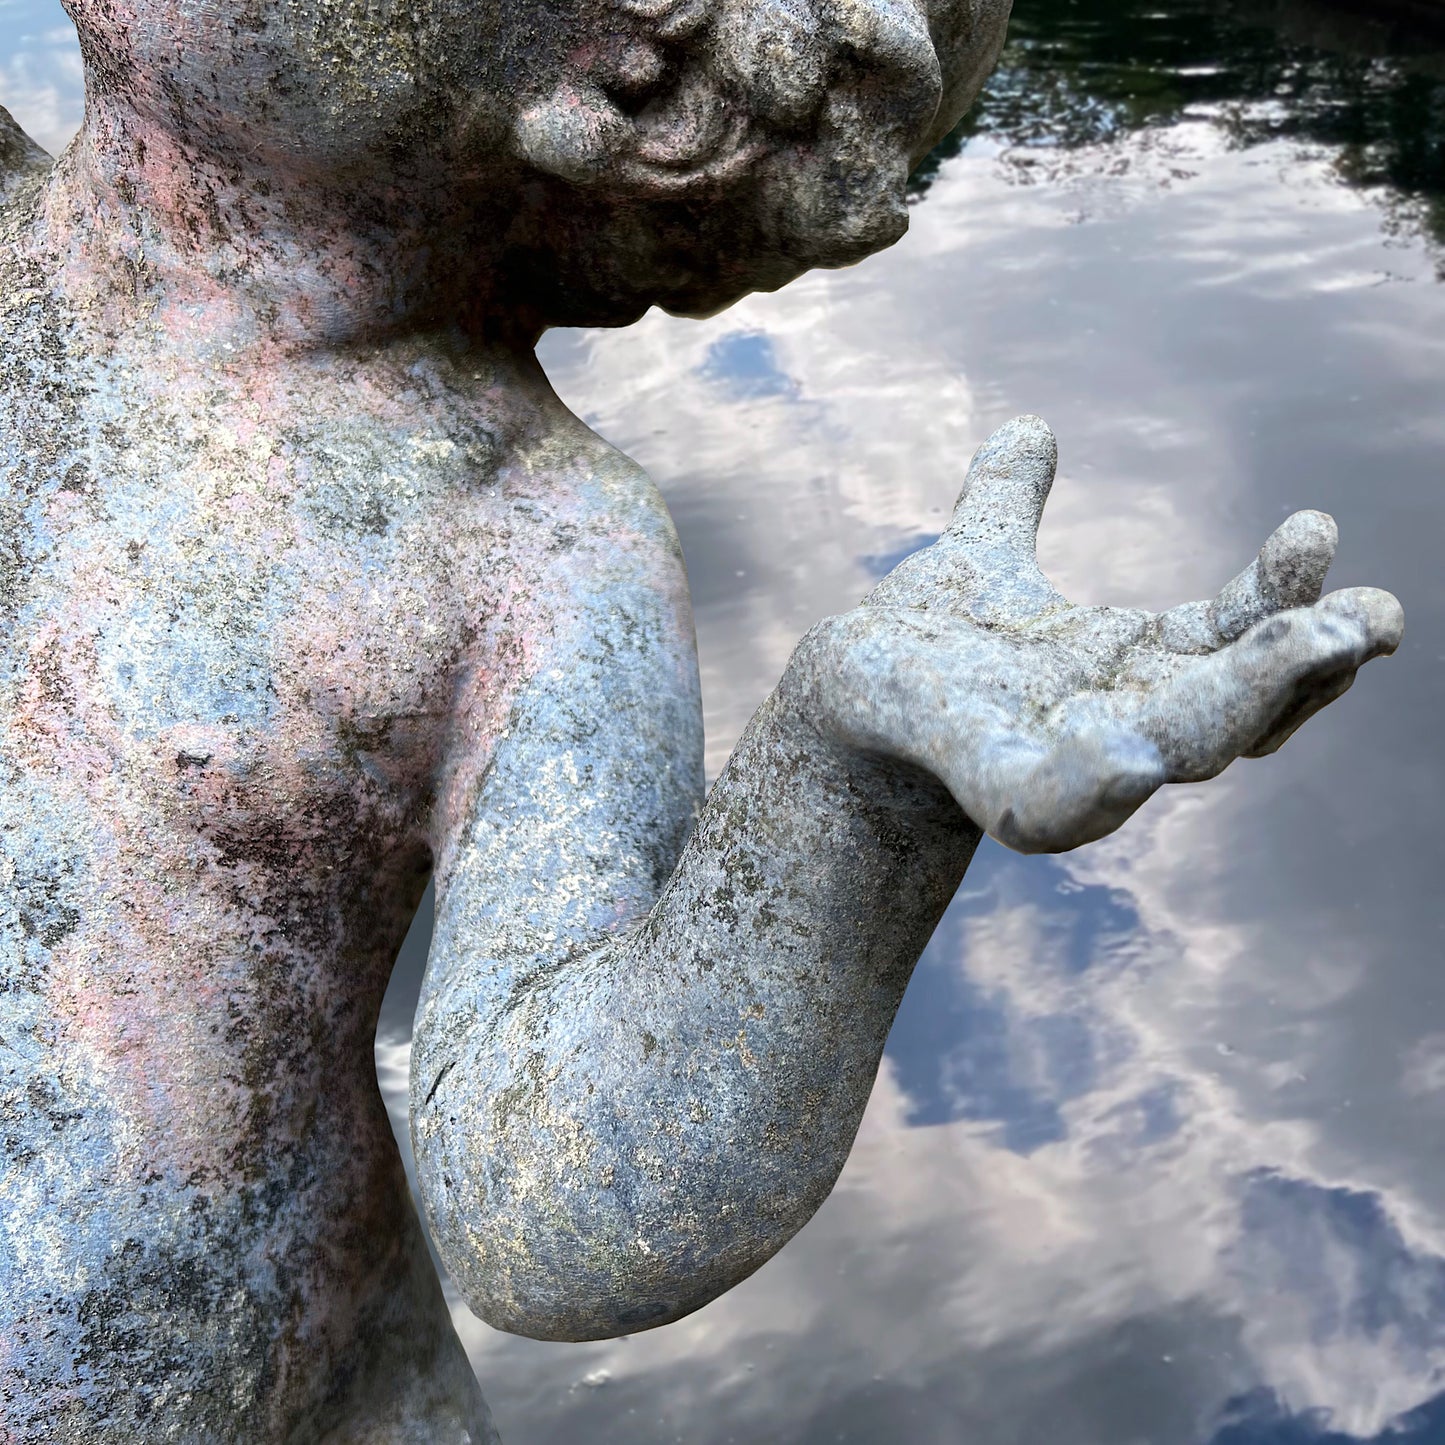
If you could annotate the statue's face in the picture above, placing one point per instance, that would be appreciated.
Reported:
(676, 152)
(332, 82)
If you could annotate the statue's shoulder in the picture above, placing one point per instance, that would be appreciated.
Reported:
(22, 163)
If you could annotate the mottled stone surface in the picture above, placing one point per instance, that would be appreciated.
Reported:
(312, 587)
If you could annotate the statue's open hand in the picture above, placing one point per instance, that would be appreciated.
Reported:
(1051, 723)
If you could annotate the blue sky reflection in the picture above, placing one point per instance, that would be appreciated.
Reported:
(963, 1050)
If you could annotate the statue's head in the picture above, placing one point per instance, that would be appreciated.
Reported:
(627, 152)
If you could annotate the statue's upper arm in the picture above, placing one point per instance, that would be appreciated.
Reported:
(565, 801)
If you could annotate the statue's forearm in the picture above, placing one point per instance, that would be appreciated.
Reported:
(613, 1141)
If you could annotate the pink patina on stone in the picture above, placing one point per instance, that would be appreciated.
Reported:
(313, 589)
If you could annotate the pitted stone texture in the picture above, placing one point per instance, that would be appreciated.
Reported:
(310, 586)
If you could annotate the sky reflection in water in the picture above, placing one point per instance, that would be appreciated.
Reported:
(1153, 1158)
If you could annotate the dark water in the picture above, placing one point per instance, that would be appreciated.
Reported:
(1156, 1154)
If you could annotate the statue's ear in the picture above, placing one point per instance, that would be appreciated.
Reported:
(684, 136)
(19, 156)
(576, 132)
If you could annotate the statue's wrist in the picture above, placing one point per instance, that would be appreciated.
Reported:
(842, 704)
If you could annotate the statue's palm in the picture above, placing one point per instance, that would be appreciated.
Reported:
(1051, 723)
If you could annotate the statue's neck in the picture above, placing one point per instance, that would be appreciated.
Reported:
(241, 254)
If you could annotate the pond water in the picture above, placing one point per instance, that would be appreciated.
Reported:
(1155, 1156)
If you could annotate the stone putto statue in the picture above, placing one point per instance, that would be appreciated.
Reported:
(312, 588)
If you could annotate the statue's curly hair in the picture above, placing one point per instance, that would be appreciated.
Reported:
(695, 150)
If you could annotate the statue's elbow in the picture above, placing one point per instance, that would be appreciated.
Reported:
(571, 1264)
(569, 1207)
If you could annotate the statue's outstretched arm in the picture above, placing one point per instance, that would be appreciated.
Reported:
(621, 1108)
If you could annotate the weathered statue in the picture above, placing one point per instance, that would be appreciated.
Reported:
(312, 587)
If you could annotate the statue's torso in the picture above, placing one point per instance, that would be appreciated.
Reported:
(245, 614)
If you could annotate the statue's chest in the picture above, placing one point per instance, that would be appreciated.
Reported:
(258, 634)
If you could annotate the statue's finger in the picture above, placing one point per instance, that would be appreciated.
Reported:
(984, 565)
(1383, 621)
(1249, 696)
(1003, 495)
(1289, 572)
(1314, 693)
